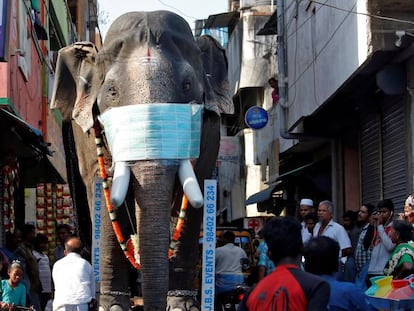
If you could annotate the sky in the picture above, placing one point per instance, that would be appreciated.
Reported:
(190, 10)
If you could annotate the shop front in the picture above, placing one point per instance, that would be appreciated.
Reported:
(32, 190)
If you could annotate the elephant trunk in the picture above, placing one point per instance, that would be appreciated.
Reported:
(153, 187)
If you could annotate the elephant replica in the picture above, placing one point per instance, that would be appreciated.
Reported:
(143, 112)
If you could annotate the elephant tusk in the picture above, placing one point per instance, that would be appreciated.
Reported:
(120, 183)
(190, 185)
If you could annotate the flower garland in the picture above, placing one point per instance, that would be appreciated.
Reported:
(393, 262)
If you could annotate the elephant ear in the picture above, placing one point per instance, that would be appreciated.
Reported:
(76, 83)
(215, 64)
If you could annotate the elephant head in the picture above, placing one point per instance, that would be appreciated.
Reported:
(149, 72)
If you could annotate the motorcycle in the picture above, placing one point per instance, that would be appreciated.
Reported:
(230, 301)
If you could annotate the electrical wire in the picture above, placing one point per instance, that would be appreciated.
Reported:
(294, 33)
(324, 46)
(289, 23)
(303, 23)
(391, 19)
(179, 11)
(341, 9)
(351, 11)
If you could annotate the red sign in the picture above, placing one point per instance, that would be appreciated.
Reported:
(253, 224)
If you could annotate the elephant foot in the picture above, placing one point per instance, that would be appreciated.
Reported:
(112, 308)
(182, 300)
(114, 302)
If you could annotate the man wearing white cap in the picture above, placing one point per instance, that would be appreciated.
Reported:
(305, 207)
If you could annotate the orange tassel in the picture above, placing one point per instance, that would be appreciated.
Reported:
(179, 226)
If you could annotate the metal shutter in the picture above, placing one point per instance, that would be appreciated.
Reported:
(370, 159)
(384, 160)
(394, 152)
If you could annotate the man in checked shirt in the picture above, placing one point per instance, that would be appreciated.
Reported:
(363, 252)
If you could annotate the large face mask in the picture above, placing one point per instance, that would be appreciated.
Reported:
(153, 131)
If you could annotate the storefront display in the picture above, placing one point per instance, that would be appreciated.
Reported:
(9, 178)
(53, 207)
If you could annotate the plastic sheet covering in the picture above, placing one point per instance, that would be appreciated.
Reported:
(388, 294)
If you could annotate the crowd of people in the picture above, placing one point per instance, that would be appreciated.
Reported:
(29, 279)
(308, 262)
(324, 264)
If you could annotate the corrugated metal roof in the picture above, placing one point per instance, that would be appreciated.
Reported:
(228, 19)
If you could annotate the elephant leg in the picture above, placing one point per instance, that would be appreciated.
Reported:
(114, 283)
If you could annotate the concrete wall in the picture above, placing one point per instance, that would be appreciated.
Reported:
(324, 48)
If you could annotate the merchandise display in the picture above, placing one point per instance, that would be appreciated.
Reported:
(388, 294)
(53, 207)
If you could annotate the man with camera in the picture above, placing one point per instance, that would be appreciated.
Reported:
(378, 237)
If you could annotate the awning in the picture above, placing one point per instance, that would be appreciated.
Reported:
(41, 171)
(26, 142)
(27, 139)
(261, 196)
(266, 194)
(294, 171)
(229, 19)
(270, 28)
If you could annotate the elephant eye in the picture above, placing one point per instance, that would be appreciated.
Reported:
(186, 86)
(112, 91)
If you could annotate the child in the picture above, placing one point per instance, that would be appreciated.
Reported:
(14, 292)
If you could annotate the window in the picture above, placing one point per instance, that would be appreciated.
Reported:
(23, 50)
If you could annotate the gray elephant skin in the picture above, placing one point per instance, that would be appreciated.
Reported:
(147, 58)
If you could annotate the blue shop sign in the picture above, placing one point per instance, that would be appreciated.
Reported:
(256, 117)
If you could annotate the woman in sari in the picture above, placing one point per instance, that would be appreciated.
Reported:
(401, 262)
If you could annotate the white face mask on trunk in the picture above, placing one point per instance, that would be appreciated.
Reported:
(153, 131)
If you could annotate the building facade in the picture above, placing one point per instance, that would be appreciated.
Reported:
(244, 162)
(345, 109)
(346, 101)
(32, 152)
(341, 129)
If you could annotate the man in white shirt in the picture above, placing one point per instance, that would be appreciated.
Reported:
(229, 272)
(73, 279)
(330, 228)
